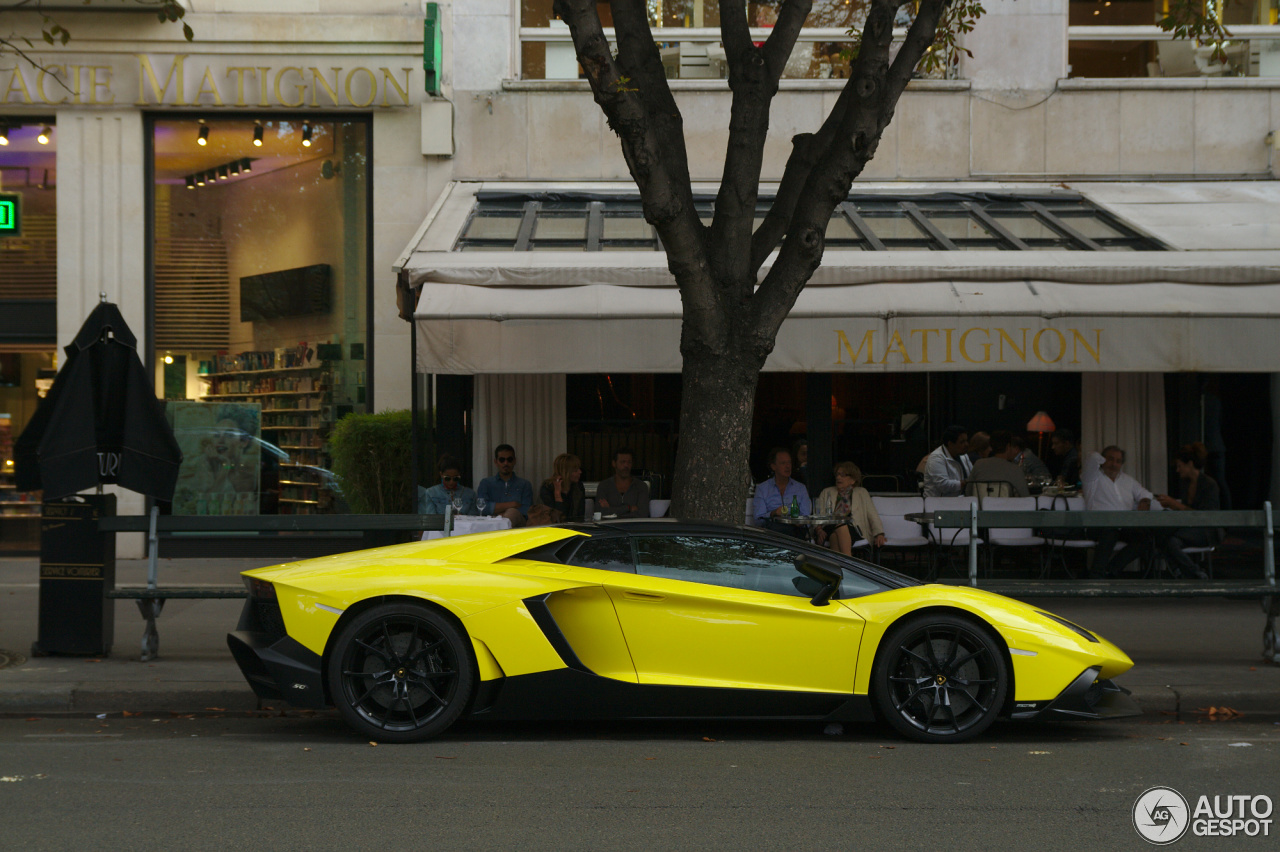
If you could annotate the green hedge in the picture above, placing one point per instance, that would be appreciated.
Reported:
(372, 453)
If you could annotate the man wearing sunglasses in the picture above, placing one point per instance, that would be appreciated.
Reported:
(505, 494)
(450, 491)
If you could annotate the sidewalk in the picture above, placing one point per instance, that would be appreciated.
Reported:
(1188, 654)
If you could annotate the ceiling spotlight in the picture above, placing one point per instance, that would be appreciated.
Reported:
(306, 136)
(223, 173)
(191, 182)
(235, 167)
(168, 359)
(246, 165)
(257, 134)
(204, 134)
(45, 132)
(200, 179)
(4, 135)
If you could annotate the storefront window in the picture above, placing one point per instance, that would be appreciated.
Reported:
(28, 314)
(1119, 38)
(260, 264)
(689, 38)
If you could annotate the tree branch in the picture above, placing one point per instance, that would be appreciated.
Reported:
(920, 37)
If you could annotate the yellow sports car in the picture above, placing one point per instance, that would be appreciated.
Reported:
(656, 618)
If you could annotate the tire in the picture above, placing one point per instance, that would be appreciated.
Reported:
(939, 678)
(401, 673)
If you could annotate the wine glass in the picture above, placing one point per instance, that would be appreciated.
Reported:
(480, 505)
(456, 500)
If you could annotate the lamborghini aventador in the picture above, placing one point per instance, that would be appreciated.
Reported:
(656, 618)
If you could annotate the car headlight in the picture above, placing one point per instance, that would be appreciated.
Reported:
(1074, 628)
(260, 589)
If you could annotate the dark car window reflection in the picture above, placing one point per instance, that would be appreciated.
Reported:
(729, 562)
(607, 554)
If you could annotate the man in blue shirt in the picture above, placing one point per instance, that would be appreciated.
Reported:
(774, 496)
(505, 494)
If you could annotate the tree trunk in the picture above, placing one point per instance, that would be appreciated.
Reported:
(712, 470)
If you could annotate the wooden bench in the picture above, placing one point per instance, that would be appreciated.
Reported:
(151, 598)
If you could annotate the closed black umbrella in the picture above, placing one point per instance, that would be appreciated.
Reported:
(101, 421)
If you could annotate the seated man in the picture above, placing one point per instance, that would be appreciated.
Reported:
(943, 470)
(1030, 463)
(1063, 444)
(1107, 488)
(621, 494)
(999, 466)
(449, 492)
(979, 448)
(506, 494)
(774, 496)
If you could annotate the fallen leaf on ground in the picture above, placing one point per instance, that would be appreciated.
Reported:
(33, 718)
(128, 713)
(888, 746)
(651, 758)
(372, 743)
(1219, 713)
(216, 709)
(708, 740)
(1184, 743)
(875, 756)
(306, 749)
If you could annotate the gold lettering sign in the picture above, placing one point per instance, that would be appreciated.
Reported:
(183, 80)
(1012, 346)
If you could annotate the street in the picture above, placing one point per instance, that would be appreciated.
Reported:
(300, 781)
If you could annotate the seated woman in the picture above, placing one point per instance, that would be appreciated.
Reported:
(563, 491)
(848, 499)
(1196, 491)
(450, 491)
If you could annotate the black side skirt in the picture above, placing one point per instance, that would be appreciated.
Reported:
(573, 694)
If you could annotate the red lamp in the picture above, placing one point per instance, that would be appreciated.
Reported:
(1040, 424)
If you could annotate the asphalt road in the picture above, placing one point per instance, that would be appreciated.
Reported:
(300, 781)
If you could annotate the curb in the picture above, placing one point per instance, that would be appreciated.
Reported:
(110, 699)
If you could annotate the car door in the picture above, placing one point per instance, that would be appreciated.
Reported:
(723, 611)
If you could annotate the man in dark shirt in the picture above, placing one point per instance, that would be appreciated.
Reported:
(505, 493)
(999, 466)
(621, 494)
(1063, 444)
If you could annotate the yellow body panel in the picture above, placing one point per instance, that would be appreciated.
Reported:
(1061, 655)
(680, 634)
(586, 617)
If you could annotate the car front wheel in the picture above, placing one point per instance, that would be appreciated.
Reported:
(939, 678)
(401, 673)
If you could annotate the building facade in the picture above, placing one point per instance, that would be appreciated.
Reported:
(264, 278)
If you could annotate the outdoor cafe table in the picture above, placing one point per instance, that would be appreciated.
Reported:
(466, 524)
(974, 519)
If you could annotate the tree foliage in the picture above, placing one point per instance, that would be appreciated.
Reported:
(54, 30)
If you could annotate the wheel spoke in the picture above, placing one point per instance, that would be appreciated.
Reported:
(425, 676)
(955, 648)
(367, 693)
(928, 644)
(391, 649)
(367, 674)
(956, 665)
(915, 656)
(424, 650)
(409, 704)
(372, 650)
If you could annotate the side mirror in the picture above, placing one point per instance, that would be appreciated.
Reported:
(821, 571)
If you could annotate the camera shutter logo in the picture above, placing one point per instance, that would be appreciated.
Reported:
(1161, 815)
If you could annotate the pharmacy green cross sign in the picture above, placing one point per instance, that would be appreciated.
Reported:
(10, 214)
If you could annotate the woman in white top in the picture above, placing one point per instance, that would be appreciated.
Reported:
(847, 499)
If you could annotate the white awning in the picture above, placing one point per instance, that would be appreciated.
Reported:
(558, 312)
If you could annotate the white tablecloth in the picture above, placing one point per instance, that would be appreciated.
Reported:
(464, 524)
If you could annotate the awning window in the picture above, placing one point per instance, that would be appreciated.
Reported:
(501, 221)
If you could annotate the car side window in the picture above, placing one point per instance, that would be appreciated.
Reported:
(607, 554)
(729, 562)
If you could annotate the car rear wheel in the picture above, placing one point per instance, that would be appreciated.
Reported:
(939, 678)
(401, 673)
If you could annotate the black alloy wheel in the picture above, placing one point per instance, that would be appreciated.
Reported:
(940, 678)
(401, 673)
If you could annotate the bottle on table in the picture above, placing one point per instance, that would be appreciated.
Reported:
(795, 507)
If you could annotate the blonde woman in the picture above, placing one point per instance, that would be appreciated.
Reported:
(563, 491)
(847, 499)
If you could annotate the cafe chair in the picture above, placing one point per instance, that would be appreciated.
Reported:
(947, 539)
(1061, 542)
(1205, 555)
(900, 534)
(1011, 537)
(982, 490)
